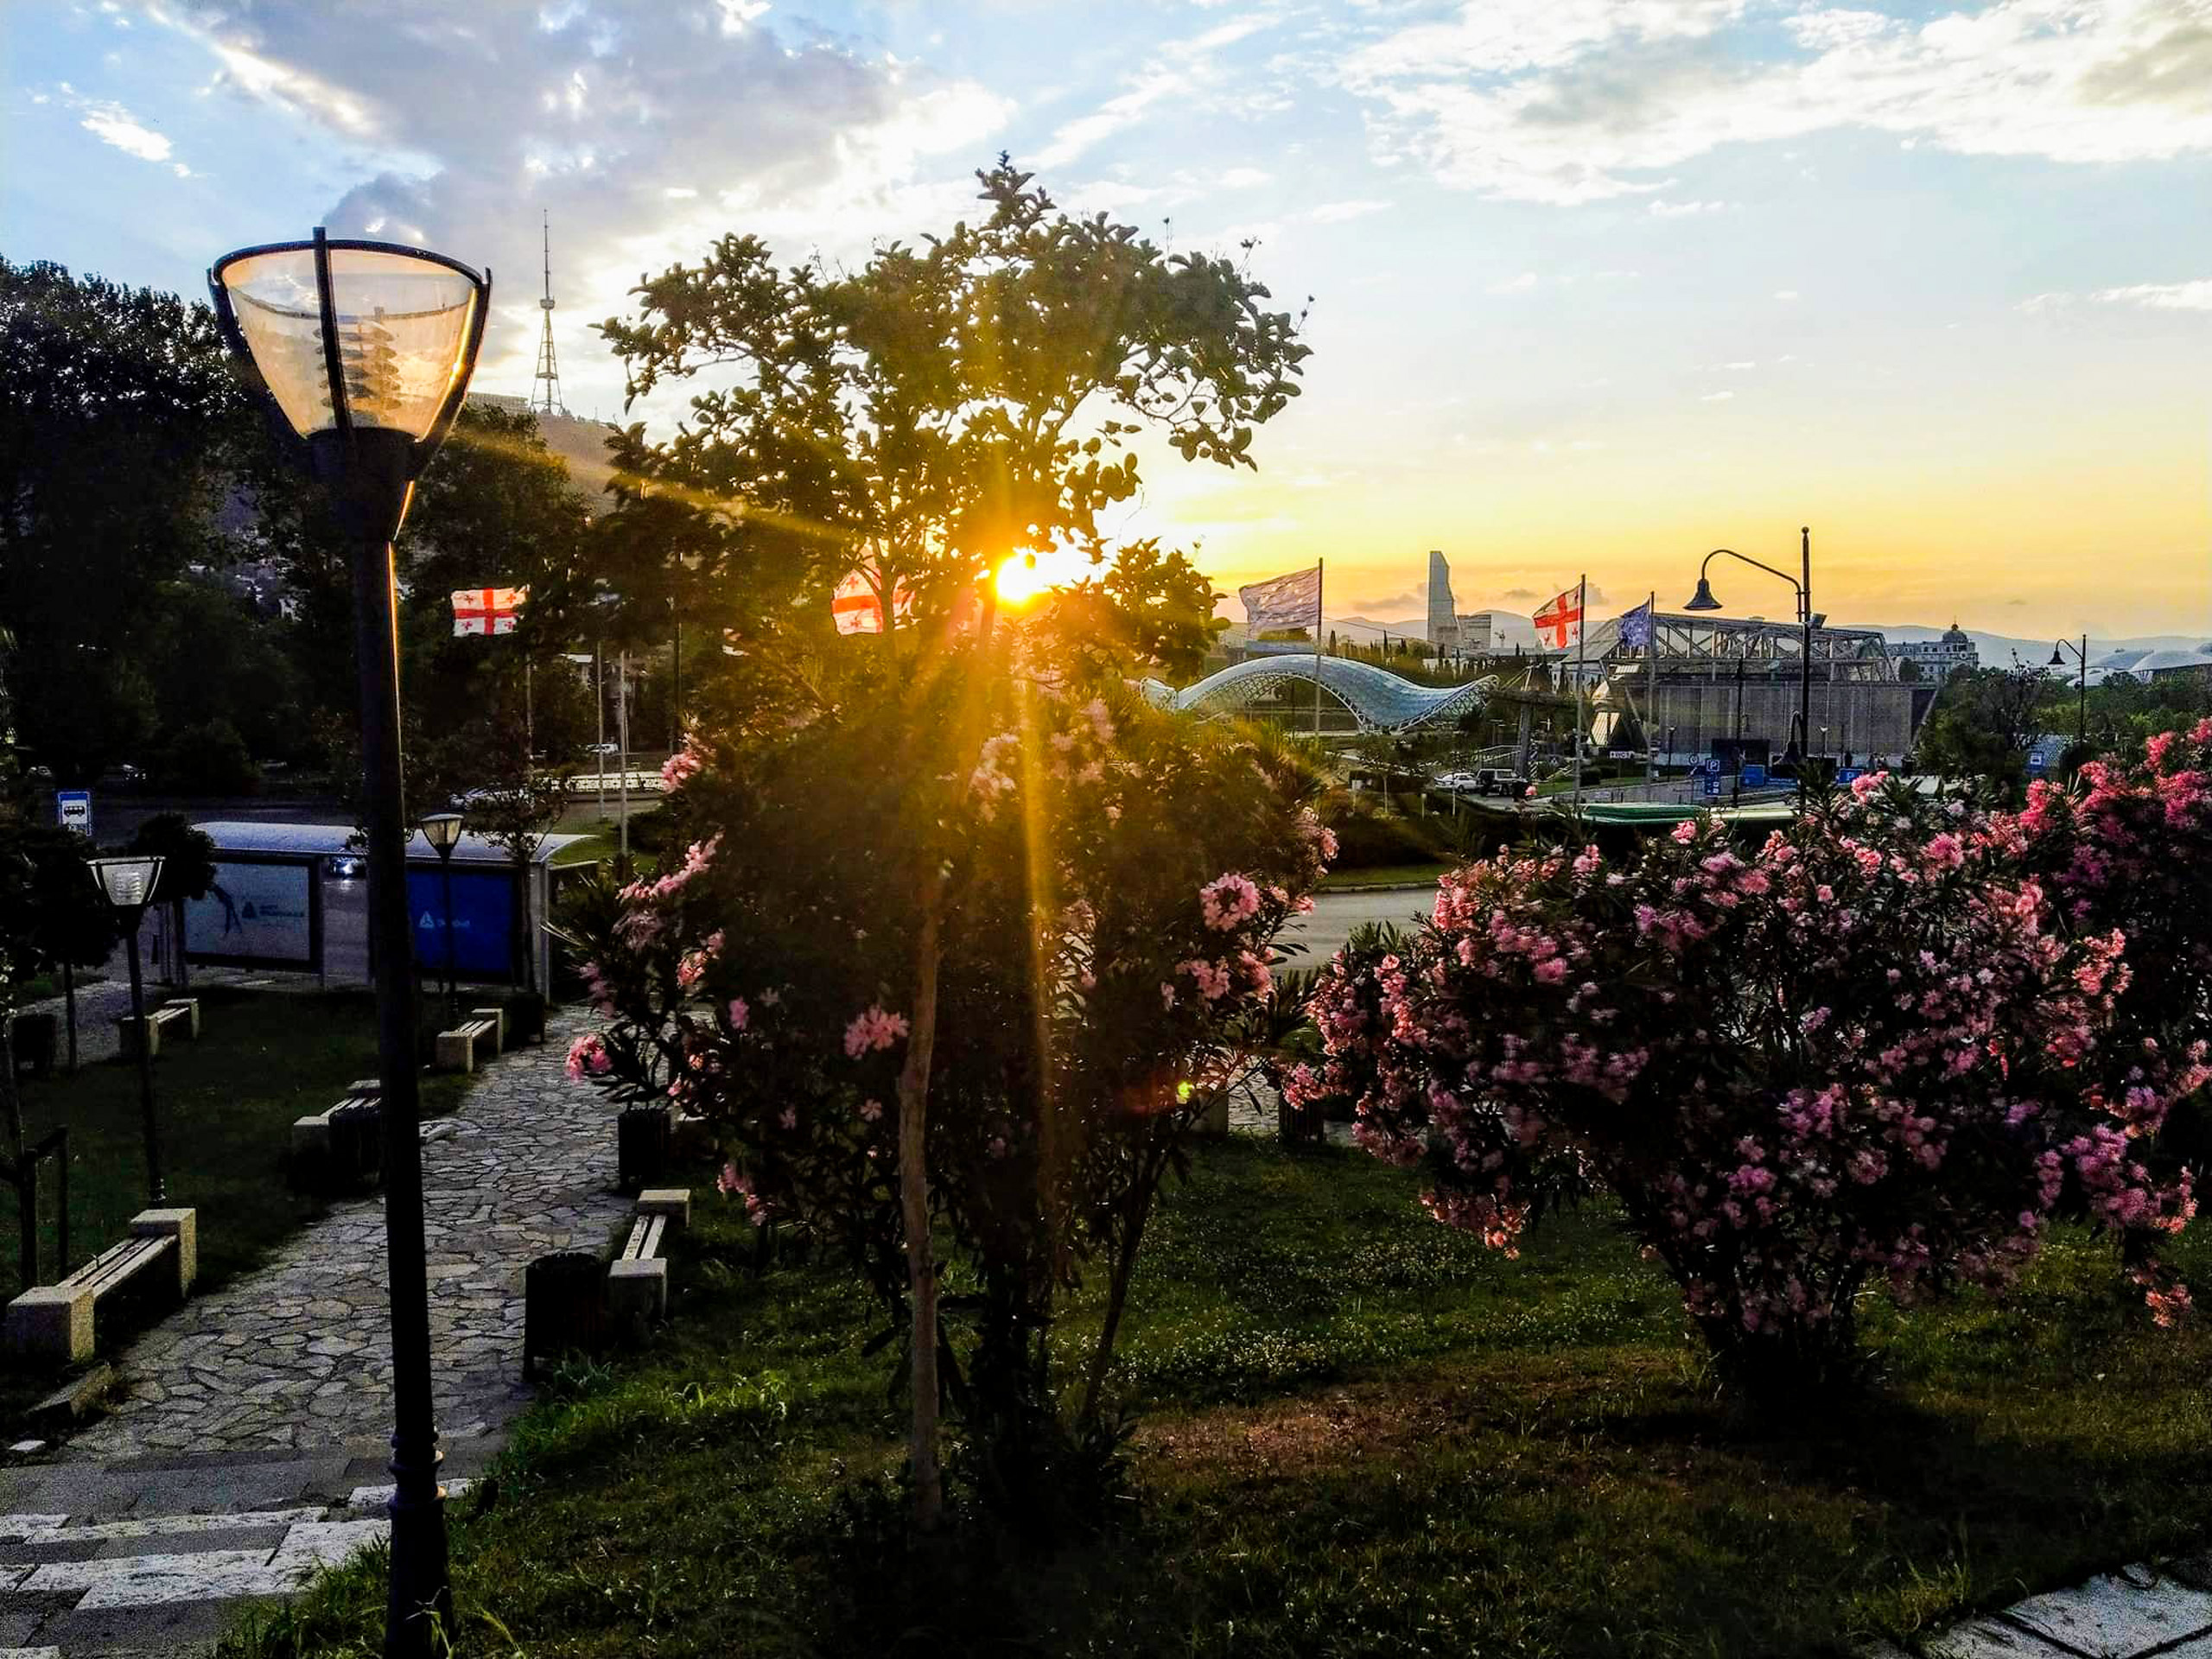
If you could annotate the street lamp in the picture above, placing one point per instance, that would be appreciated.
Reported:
(2081, 706)
(128, 884)
(1704, 600)
(442, 831)
(365, 349)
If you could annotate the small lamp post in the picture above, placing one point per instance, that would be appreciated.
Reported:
(442, 831)
(2081, 705)
(365, 350)
(1704, 600)
(128, 884)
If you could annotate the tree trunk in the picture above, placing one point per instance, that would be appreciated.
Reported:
(183, 971)
(1117, 1295)
(17, 1170)
(69, 1007)
(914, 1207)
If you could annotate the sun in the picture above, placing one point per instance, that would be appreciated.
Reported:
(1020, 580)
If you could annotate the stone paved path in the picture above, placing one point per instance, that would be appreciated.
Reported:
(2134, 1613)
(271, 1399)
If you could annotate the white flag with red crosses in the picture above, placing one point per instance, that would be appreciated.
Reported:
(486, 610)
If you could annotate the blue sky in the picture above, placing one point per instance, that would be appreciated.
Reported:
(1597, 284)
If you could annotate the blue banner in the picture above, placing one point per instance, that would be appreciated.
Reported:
(483, 922)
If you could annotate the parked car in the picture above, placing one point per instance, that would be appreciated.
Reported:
(1500, 780)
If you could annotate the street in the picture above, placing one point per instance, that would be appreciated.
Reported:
(1323, 933)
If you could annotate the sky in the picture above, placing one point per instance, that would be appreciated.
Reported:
(1593, 286)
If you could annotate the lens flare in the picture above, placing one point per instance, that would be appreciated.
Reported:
(1019, 580)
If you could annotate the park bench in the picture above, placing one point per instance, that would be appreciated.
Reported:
(637, 1280)
(318, 1159)
(178, 1017)
(456, 1049)
(54, 1323)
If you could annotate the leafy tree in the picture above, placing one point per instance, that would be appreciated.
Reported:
(1983, 724)
(117, 412)
(946, 411)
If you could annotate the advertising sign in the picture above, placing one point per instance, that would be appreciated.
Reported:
(483, 922)
(255, 912)
(74, 809)
(1754, 777)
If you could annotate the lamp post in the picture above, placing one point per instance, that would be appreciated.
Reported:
(442, 831)
(128, 884)
(365, 349)
(1704, 600)
(2081, 705)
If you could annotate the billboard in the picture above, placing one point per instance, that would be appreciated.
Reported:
(483, 922)
(256, 912)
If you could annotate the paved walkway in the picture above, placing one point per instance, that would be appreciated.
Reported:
(2134, 1613)
(251, 1423)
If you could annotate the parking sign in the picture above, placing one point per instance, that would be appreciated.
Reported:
(75, 808)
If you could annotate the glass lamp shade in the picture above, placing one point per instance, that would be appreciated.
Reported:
(129, 883)
(403, 324)
(442, 830)
(1703, 599)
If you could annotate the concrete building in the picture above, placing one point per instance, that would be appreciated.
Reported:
(1708, 684)
(1938, 659)
(1443, 619)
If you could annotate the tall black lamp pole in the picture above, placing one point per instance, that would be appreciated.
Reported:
(442, 831)
(365, 348)
(2081, 703)
(1807, 621)
(128, 885)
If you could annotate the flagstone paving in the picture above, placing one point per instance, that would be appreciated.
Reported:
(248, 1442)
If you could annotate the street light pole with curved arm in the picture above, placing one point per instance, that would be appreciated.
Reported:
(1704, 600)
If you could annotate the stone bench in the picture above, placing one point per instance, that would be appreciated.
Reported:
(179, 1018)
(457, 1049)
(54, 1323)
(637, 1280)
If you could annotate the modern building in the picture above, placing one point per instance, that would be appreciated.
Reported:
(1334, 696)
(1938, 659)
(1443, 619)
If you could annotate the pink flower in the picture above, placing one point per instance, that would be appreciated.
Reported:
(871, 1110)
(872, 1029)
(588, 1056)
(1228, 899)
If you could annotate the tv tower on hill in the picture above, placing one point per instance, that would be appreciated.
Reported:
(546, 399)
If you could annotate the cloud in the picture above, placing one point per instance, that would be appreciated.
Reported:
(1569, 101)
(1181, 69)
(1785, 294)
(2161, 296)
(1716, 396)
(1660, 209)
(1335, 212)
(1519, 284)
(1522, 594)
(644, 131)
(114, 125)
(1244, 178)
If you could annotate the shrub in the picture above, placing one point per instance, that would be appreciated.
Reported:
(1856, 1057)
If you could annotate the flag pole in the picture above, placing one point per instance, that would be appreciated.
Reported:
(1651, 691)
(1317, 574)
(1581, 605)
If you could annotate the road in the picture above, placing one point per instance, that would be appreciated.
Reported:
(1335, 914)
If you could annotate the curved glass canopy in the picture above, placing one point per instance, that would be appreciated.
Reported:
(1378, 699)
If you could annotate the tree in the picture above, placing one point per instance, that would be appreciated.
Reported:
(187, 858)
(944, 413)
(117, 410)
(1983, 724)
(515, 808)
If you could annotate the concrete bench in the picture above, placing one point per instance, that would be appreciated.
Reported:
(171, 1019)
(637, 1280)
(311, 1134)
(191, 1006)
(457, 1049)
(54, 1323)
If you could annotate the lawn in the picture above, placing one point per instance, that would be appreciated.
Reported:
(1358, 1434)
(225, 1105)
(1386, 875)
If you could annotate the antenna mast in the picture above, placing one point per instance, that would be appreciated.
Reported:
(546, 397)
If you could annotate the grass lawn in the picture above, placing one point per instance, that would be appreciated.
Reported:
(1360, 1434)
(225, 1105)
(1386, 875)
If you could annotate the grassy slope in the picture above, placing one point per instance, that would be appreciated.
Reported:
(1362, 1435)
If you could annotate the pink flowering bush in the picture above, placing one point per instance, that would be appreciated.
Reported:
(1114, 879)
(1858, 1055)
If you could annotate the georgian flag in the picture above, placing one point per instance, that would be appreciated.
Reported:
(486, 610)
(856, 608)
(1559, 624)
(1291, 602)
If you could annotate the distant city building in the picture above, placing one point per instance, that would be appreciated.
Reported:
(1938, 659)
(1443, 619)
(1473, 630)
